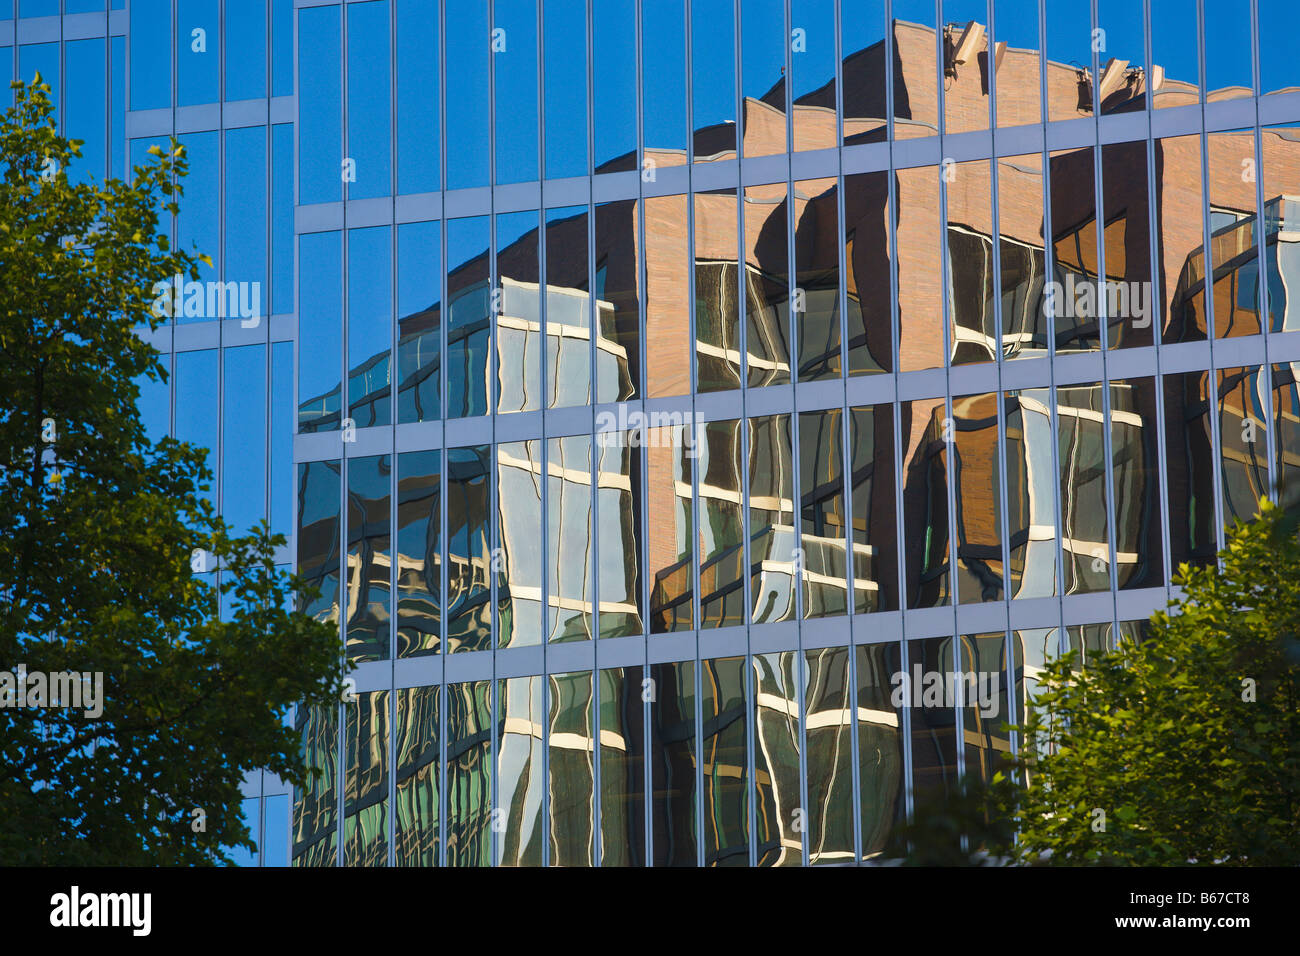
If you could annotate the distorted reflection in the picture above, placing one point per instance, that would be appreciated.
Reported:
(419, 553)
(880, 746)
(823, 569)
(875, 552)
(816, 303)
(569, 529)
(1243, 442)
(469, 613)
(978, 487)
(622, 767)
(767, 291)
(517, 562)
(828, 728)
(725, 760)
(365, 783)
(469, 774)
(315, 807)
(778, 805)
(416, 739)
(774, 562)
(572, 774)
(721, 533)
(620, 503)
(1188, 447)
(717, 312)
(670, 528)
(1031, 502)
(319, 534)
(673, 750)
(369, 558)
(520, 713)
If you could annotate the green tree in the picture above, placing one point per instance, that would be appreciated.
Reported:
(100, 534)
(1184, 748)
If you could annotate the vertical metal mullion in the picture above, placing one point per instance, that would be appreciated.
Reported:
(444, 458)
(394, 486)
(1265, 377)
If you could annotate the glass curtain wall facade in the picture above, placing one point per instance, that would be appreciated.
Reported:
(789, 347)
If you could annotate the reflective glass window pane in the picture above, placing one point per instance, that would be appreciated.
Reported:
(977, 477)
(828, 728)
(275, 830)
(117, 105)
(514, 66)
(1031, 500)
(1022, 276)
(243, 426)
(817, 279)
(568, 308)
(1243, 452)
(725, 761)
(620, 501)
(469, 612)
(771, 519)
(469, 774)
(416, 839)
(880, 745)
(972, 324)
(518, 316)
(468, 42)
(469, 328)
(369, 557)
(669, 527)
(417, 96)
(920, 302)
(518, 562)
(779, 804)
(821, 510)
(1139, 550)
(875, 552)
(1180, 239)
(673, 749)
(520, 716)
(281, 47)
(713, 88)
(721, 532)
(1074, 249)
(1121, 57)
(1279, 23)
(762, 76)
(320, 106)
(622, 767)
(572, 769)
(1230, 179)
(198, 51)
(42, 58)
(84, 67)
(245, 67)
(933, 722)
(1017, 62)
(365, 782)
(965, 65)
(154, 403)
(315, 807)
(767, 285)
(663, 82)
(617, 288)
(1175, 53)
(667, 331)
(369, 101)
(319, 531)
(198, 226)
(419, 553)
(151, 60)
(245, 221)
(1069, 60)
(717, 312)
(569, 531)
(565, 47)
(1190, 488)
(870, 342)
(925, 503)
(1281, 179)
(370, 326)
(862, 45)
(916, 91)
(320, 331)
(1286, 432)
(614, 103)
(1081, 457)
(812, 62)
(282, 218)
(281, 438)
(1127, 245)
(987, 711)
(197, 386)
(1228, 50)
(419, 322)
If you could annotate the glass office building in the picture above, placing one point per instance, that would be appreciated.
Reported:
(648, 385)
